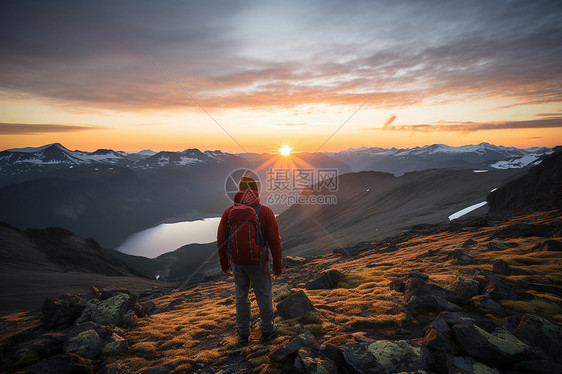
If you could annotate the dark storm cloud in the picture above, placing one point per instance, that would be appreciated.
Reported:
(42, 128)
(261, 54)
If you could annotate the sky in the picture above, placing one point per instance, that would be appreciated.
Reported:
(251, 76)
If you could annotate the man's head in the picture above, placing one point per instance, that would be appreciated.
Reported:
(248, 183)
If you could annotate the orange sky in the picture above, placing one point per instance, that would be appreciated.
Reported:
(251, 77)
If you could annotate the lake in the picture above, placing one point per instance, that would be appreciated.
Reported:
(168, 237)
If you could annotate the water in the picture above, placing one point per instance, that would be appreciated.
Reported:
(168, 237)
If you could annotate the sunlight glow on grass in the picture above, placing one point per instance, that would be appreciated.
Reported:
(285, 150)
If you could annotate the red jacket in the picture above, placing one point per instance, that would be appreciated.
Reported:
(268, 225)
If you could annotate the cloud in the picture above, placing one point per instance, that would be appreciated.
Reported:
(389, 121)
(263, 55)
(467, 127)
(42, 128)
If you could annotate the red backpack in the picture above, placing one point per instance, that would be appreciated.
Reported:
(245, 241)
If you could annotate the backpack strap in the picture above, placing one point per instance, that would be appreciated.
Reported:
(262, 243)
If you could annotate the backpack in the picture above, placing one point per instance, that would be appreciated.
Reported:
(245, 241)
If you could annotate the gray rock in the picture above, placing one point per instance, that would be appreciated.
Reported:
(493, 348)
(325, 280)
(543, 335)
(469, 243)
(112, 310)
(333, 353)
(58, 312)
(385, 356)
(467, 365)
(87, 344)
(498, 290)
(485, 304)
(116, 346)
(465, 288)
(501, 267)
(129, 318)
(90, 307)
(316, 364)
(305, 340)
(497, 246)
(295, 305)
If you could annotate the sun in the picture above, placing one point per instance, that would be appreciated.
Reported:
(285, 150)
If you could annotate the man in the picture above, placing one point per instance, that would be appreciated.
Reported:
(242, 239)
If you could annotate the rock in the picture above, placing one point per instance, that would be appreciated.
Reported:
(501, 267)
(333, 353)
(109, 292)
(524, 230)
(497, 348)
(325, 280)
(498, 290)
(129, 318)
(541, 334)
(385, 356)
(316, 364)
(414, 273)
(63, 364)
(292, 261)
(460, 257)
(397, 285)
(295, 305)
(431, 303)
(116, 346)
(86, 344)
(90, 307)
(485, 304)
(538, 367)
(93, 293)
(469, 243)
(112, 310)
(305, 340)
(58, 312)
(549, 245)
(148, 307)
(465, 288)
(497, 246)
(467, 365)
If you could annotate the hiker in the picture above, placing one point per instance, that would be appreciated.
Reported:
(245, 232)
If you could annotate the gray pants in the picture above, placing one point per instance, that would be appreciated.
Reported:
(259, 278)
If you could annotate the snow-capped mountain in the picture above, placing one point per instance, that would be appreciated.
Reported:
(478, 156)
(54, 156)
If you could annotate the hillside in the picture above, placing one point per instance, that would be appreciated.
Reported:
(477, 295)
(35, 264)
(372, 205)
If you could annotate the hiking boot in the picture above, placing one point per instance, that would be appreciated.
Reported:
(269, 335)
(243, 340)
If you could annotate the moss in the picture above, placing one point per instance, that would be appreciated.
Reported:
(504, 340)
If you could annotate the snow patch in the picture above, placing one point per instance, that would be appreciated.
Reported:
(467, 210)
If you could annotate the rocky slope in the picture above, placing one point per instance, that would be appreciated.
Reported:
(479, 295)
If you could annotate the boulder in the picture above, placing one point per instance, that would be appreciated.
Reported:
(116, 346)
(485, 304)
(333, 353)
(385, 356)
(498, 290)
(305, 340)
(397, 285)
(549, 245)
(501, 267)
(497, 246)
(495, 348)
(58, 312)
(316, 364)
(87, 344)
(467, 365)
(292, 261)
(431, 303)
(90, 307)
(112, 310)
(465, 288)
(295, 305)
(460, 257)
(541, 334)
(63, 364)
(324, 280)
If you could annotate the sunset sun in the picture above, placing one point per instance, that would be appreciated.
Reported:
(285, 150)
